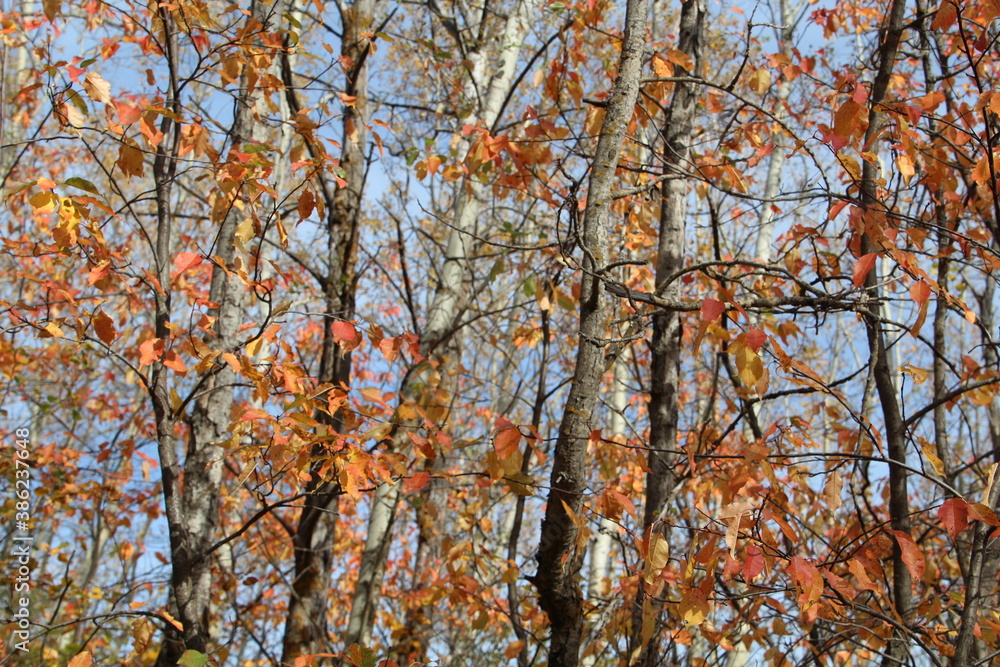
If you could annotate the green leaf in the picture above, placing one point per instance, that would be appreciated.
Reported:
(82, 184)
(192, 658)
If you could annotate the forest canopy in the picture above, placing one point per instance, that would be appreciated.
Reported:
(500, 332)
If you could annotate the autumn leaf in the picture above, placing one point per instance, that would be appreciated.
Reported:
(862, 576)
(711, 309)
(694, 607)
(862, 268)
(733, 513)
(506, 441)
(345, 335)
(150, 350)
(808, 578)
(130, 159)
(81, 660)
(105, 327)
(832, 491)
(911, 554)
(954, 516)
(681, 59)
(416, 481)
(97, 88)
(656, 558)
(754, 563)
(760, 80)
(756, 339)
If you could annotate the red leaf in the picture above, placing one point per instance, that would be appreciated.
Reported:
(863, 268)
(711, 309)
(345, 335)
(754, 564)
(913, 557)
(954, 515)
(756, 339)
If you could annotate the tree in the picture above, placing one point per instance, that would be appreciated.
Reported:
(512, 332)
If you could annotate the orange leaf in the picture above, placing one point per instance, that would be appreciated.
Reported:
(808, 578)
(863, 267)
(81, 660)
(104, 326)
(861, 574)
(506, 440)
(417, 481)
(150, 351)
(173, 361)
(681, 59)
(186, 260)
(980, 512)
(912, 556)
(919, 292)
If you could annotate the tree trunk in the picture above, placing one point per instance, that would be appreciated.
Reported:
(193, 502)
(559, 558)
(666, 346)
(437, 338)
(305, 627)
(893, 429)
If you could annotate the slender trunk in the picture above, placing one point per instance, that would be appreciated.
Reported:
(192, 506)
(881, 368)
(598, 580)
(559, 558)
(984, 555)
(305, 627)
(437, 340)
(667, 327)
(776, 161)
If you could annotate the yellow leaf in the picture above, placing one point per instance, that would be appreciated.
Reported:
(930, 455)
(760, 81)
(253, 347)
(656, 560)
(694, 607)
(53, 330)
(43, 203)
(852, 166)
(97, 88)
(81, 660)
